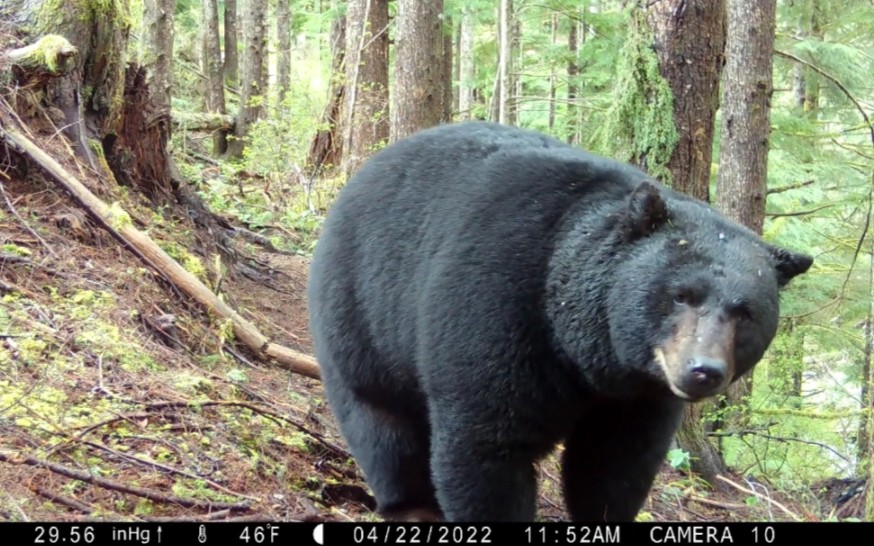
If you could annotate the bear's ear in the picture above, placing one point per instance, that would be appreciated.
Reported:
(789, 264)
(646, 211)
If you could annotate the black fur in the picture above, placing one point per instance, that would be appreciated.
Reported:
(480, 293)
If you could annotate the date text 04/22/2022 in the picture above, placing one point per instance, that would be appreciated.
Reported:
(677, 533)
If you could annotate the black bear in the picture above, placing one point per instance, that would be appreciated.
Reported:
(482, 293)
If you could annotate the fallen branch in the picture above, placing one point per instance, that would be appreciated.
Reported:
(743, 489)
(130, 418)
(170, 470)
(60, 499)
(267, 413)
(118, 223)
(258, 239)
(14, 502)
(781, 189)
(12, 458)
(24, 224)
(798, 213)
(206, 517)
(753, 432)
(717, 504)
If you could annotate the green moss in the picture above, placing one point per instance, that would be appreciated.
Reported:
(16, 250)
(640, 126)
(187, 260)
(118, 218)
(37, 407)
(199, 489)
(52, 49)
(189, 383)
(52, 52)
(144, 507)
(31, 351)
(52, 12)
(296, 441)
(108, 342)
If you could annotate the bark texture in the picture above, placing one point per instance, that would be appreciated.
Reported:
(690, 41)
(366, 120)
(418, 80)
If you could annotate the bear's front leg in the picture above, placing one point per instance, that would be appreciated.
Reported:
(613, 455)
(477, 479)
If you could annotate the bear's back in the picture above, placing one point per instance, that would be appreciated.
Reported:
(477, 195)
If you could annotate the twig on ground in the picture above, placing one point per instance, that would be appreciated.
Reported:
(13, 458)
(15, 503)
(170, 469)
(717, 504)
(739, 487)
(205, 517)
(65, 501)
(263, 411)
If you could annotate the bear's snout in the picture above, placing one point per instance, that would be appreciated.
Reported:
(704, 376)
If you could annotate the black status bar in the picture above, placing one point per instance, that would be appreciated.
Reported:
(268, 533)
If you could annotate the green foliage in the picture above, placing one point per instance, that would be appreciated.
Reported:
(679, 459)
(284, 190)
(640, 126)
(9, 248)
(186, 259)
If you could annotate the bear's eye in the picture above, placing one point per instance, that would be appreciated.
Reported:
(685, 297)
(742, 312)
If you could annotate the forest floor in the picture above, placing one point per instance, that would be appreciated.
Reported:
(121, 399)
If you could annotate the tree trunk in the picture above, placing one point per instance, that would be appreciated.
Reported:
(456, 66)
(865, 437)
(418, 89)
(505, 53)
(158, 52)
(746, 128)
(212, 67)
(552, 75)
(91, 94)
(863, 447)
(326, 150)
(448, 84)
(573, 71)
(232, 65)
(743, 161)
(689, 40)
(515, 70)
(806, 82)
(869, 401)
(466, 67)
(111, 120)
(495, 104)
(706, 460)
(254, 56)
(366, 122)
(283, 36)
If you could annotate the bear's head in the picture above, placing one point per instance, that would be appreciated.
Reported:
(695, 297)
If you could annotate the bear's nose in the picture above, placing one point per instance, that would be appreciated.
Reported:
(705, 374)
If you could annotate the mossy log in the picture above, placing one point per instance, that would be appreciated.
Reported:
(49, 57)
(202, 121)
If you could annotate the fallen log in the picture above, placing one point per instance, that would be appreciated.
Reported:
(117, 222)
